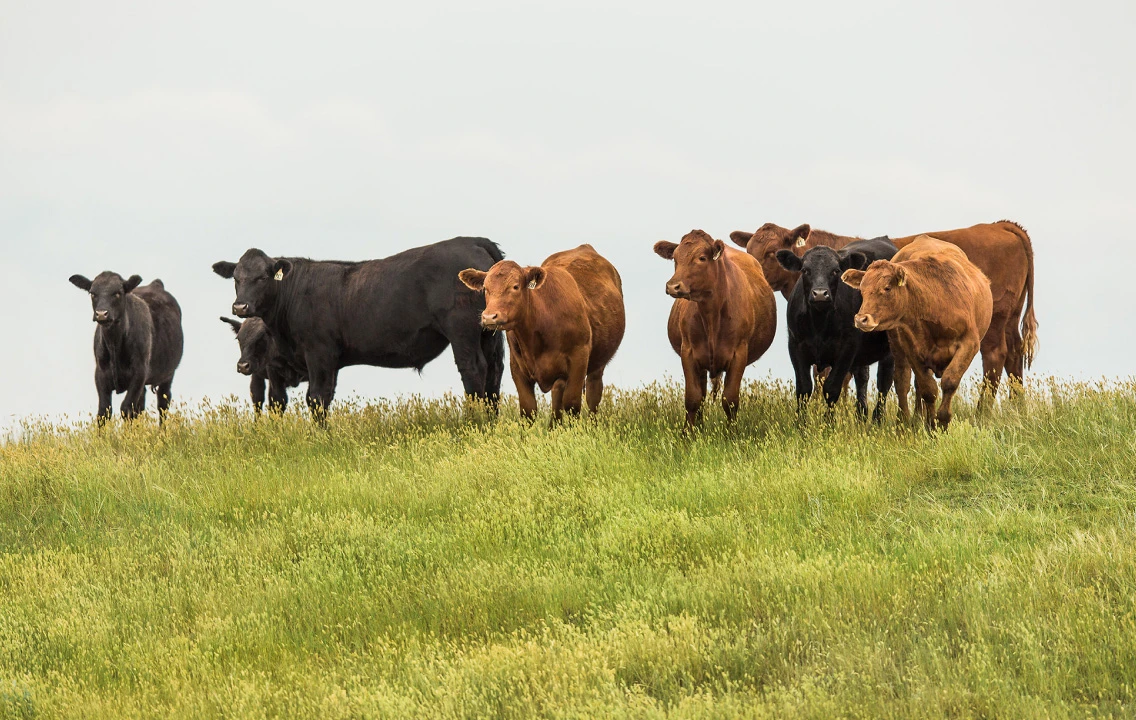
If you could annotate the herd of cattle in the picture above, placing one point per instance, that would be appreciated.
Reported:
(922, 305)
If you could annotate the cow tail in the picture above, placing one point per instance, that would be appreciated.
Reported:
(1029, 320)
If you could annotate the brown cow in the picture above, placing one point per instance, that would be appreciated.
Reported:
(1002, 251)
(935, 306)
(564, 321)
(723, 318)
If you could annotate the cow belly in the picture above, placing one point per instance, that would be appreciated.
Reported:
(415, 351)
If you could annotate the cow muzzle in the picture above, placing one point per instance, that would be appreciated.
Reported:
(866, 322)
(678, 290)
(102, 317)
(241, 310)
(820, 296)
(492, 321)
(244, 368)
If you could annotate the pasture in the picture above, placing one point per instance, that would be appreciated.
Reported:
(416, 559)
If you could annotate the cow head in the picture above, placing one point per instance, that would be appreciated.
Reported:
(820, 269)
(884, 287)
(108, 293)
(765, 243)
(506, 286)
(698, 263)
(257, 277)
(252, 336)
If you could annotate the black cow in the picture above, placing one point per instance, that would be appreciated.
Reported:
(822, 331)
(263, 361)
(138, 341)
(401, 311)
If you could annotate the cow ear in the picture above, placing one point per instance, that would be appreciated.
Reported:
(666, 250)
(473, 279)
(900, 276)
(740, 238)
(281, 269)
(224, 269)
(80, 282)
(235, 324)
(789, 260)
(854, 261)
(131, 282)
(799, 235)
(853, 278)
(719, 248)
(535, 277)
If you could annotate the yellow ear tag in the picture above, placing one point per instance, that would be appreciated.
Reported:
(717, 255)
(532, 284)
(800, 242)
(902, 281)
(279, 274)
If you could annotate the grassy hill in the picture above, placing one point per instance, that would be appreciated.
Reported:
(417, 560)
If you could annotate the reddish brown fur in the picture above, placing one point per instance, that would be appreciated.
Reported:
(564, 321)
(724, 316)
(935, 306)
(1002, 251)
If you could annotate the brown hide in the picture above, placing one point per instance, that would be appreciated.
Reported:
(1002, 251)
(935, 306)
(724, 316)
(564, 321)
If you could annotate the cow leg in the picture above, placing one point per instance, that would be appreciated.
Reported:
(902, 377)
(134, 404)
(322, 377)
(105, 388)
(577, 376)
(465, 342)
(994, 353)
(803, 369)
(927, 391)
(556, 396)
(526, 389)
(277, 393)
(733, 389)
(863, 377)
(885, 375)
(1015, 360)
(493, 348)
(695, 378)
(837, 377)
(165, 395)
(256, 391)
(593, 389)
(952, 376)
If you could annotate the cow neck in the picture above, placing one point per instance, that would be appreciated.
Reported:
(713, 306)
(114, 339)
(527, 328)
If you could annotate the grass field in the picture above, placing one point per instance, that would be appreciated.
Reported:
(417, 560)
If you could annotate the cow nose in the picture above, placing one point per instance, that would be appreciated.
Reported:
(488, 318)
(240, 309)
(821, 295)
(675, 288)
(100, 315)
(865, 322)
(243, 368)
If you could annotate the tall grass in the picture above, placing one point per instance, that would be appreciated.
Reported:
(418, 559)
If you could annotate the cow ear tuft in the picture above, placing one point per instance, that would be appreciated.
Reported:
(224, 269)
(789, 260)
(665, 249)
(853, 278)
(235, 324)
(131, 282)
(80, 282)
(854, 261)
(281, 269)
(535, 277)
(719, 247)
(741, 238)
(473, 279)
(799, 235)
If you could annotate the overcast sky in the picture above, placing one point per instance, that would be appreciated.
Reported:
(157, 138)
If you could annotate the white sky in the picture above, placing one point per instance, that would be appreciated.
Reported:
(157, 138)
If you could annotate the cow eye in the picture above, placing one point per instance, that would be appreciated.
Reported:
(118, 294)
(701, 258)
(516, 287)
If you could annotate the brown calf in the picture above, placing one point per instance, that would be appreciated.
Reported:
(723, 317)
(935, 306)
(564, 321)
(1002, 251)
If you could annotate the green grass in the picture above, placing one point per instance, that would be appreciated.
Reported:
(417, 560)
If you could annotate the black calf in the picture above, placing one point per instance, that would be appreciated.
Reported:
(263, 360)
